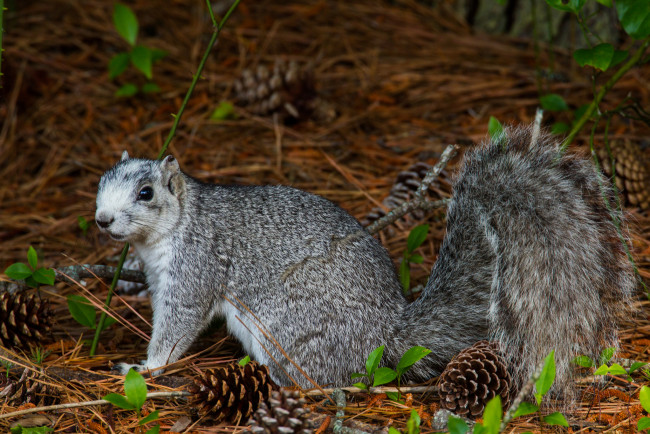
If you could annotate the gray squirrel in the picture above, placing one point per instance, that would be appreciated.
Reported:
(531, 259)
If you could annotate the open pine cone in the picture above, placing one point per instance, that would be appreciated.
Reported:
(632, 171)
(27, 390)
(284, 412)
(475, 376)
(24, 319)
(231, 393)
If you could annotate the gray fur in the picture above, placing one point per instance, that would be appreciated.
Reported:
(531, 259)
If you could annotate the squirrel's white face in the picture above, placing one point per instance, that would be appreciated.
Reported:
(139, 200)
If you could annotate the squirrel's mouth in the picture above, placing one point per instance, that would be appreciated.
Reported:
(116, 237)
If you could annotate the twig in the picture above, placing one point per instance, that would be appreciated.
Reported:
(150, 395)
(420, 200)
(376, 390)
(525, 391)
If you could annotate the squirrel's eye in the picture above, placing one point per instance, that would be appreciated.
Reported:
(146, 194)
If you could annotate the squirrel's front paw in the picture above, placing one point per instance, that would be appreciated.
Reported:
(123, 368)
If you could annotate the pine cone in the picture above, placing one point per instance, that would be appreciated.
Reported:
(288, 90)
(632, 171)
(24, 319)
(284, 412)
(27, 389)
(473, 378)
(406, 185)
(231, 393)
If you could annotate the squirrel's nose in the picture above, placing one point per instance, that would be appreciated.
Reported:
(103, 220)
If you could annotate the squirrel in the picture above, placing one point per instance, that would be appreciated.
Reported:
(532, 259)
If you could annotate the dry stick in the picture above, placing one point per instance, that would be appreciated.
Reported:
(173, 394)
(376, 390)
(420, 200)
(172, 132)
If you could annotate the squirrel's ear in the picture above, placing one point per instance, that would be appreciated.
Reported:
(171, 175)
(125, 156)
(170, 165)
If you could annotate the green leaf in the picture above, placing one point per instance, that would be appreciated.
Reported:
(545, 381)
(135, 388)
(224, 110)
(607, 3)
(553, 102)
(150, 88)
(150, 418)
(411, 356)
(560, 128)
(416, 259)
(358, 375)
(118, 64)
(18, 271)
(157, 54)
(456, 425)
(644, 423)
(492, 415)
(617, 369)
(644, 397)
(141, 59)
(600, 56)
(635, 366)
(584, 361)
(244, 361)
(413, 424)
(405, 274)
(125, 23)
(495, 130)
(31, 282)
(556, 418)
(619, 56)
(360, 385)
(416, 237)
(394, 396)
(83, 224)
(580, 111)
(392, 430)
(573, 6)
(82, 310)
(44, 276)
(129, 89)
(383, 376)
(525, 408)
(153, 430)
(479, 428)
(31, 430)
(108, 321)
(373, 360)
(607, 354)
(602, 370)
(634, 16)
(32, 257)
(119, 401)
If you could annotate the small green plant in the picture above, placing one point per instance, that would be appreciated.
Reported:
(83, 311)
(244, 361)
(224, 111)
(7, 365)
(385, 375)
(604, 366)
(135, 389)
(416, 237)
(39, 354)
(83, 224)
(412, 425)
(141, 57)
(32, 274)
(644, 397)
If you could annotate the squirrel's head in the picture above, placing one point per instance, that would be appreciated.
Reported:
(139, 200)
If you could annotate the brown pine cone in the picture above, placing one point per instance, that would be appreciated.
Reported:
(30, 388)
(475, 376)
(632, 171)
(231, 393)
(25, 320)
(287, 90)
(284, 412)
(406, 185)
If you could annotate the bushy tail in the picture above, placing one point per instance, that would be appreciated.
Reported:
(531, 258)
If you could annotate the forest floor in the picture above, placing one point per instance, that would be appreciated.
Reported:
(397, 81)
